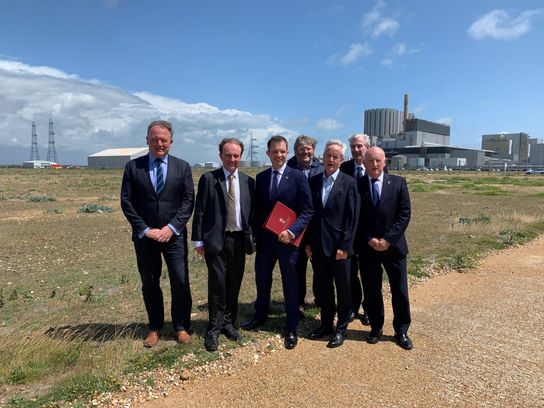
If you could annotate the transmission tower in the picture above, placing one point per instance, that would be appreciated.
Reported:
(34, 154)
(51, 151)
(252, 151)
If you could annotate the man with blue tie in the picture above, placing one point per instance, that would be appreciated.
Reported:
(329, 242)
(290, 187)
(358, 144)
(381, 244)
(157, 198)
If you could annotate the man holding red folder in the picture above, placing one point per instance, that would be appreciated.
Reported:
(290, 187)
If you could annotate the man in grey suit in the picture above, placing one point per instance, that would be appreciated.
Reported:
(157, 198)
(223, 235)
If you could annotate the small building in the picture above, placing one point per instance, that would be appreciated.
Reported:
(39, 164)
(115, 158)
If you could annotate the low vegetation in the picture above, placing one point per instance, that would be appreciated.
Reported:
(71, 315)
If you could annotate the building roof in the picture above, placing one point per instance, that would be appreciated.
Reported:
(124, 151)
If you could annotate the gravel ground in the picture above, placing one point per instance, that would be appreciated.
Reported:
(477, 343)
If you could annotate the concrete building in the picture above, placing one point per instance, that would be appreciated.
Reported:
(511, 146)
(115, 158)
(437, 156)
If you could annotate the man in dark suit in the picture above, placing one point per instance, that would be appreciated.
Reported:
(279, 183)
(329, 241)
(304, 161)
(355, 167)
(385, 214)
(222, 234)
(157, 198)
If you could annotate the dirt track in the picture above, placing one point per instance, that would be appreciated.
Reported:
(477, 343)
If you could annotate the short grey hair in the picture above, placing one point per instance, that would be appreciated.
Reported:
(337, 143)
(365, 137)
(305, 140)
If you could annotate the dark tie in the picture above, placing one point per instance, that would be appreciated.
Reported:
(274, 189)
(375, 194)
(359, 172)
(231, 205)
(160, 178)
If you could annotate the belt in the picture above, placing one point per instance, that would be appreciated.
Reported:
(233, 233)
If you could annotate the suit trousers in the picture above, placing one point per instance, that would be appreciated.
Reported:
(357, 290)
(395, 268)
(225, 273)
(149, 255)
(329, 273)
(270, 251)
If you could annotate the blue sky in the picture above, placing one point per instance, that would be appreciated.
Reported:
(103, 69)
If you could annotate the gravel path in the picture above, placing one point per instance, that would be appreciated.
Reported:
(477, 343)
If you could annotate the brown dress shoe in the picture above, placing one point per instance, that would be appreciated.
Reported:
(152, 338)
(183, 337)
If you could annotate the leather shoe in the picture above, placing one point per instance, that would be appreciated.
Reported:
(231, 333)
(252, 324)
(182, 337)
(152, 338)
(403, 341)
(337, 340)
(365, 320)
(374, 336)
(211, 342)
(291, 340)
(352, 316)
(320, 332)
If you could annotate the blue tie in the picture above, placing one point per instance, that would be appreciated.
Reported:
(160, 178)
(274, 189)
(375, 194)
(359, 172)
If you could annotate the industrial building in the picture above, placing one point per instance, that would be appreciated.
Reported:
(511, 146)
(115, 158)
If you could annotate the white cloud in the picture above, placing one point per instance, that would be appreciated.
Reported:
(446, 120)
(388, 62)
(328, 125)
(498, 24)
(355, 53)
(90, 116)
(375, 23)
(401, 49)
(420, 108)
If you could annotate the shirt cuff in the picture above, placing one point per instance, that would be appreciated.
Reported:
(142, 234)
(174, 230)
(291, 233)
(198, 244)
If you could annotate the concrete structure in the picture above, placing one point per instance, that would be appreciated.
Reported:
(511, 146)
(537, 154)
(438, 156)
(383, 122)
(38, 164)
(115, 158)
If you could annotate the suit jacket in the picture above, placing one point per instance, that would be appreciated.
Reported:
(144, 208)
(348, 167)
(293, 191)
(390, 220)
(334, 225)
(210, 218)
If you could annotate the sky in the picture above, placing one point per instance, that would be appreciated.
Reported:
(103, 69)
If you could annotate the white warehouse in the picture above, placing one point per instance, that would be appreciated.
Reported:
(115, 158)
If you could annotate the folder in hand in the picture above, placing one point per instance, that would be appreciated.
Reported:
(281, 218)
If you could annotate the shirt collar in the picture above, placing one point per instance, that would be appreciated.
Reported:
(333, 175)
(153, 158)
(228, 173)
(281, 169)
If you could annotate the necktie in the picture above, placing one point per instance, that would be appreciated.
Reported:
(160, 178)
(359, 172)
(231, 205)
(375, 194)
(274, 189)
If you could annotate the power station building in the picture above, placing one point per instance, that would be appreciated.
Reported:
(510, 146)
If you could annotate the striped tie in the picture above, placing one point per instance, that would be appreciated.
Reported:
(160, 178)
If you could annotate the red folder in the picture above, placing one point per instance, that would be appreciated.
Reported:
(281, 218)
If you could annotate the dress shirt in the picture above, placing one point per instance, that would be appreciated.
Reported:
(379, 183)
(328, 182)
(236, 194)
(280, 175)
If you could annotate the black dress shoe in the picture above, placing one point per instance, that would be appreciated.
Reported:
(291, 340)
(231, 333)
(365, 320)
(403, 341)
(320, 332)
(252, 324)
(374, 336)
(337, 340)
(211, 342)
(352, 316)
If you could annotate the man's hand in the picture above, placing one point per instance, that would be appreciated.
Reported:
(165, 234)
(285, 237)
(200, 250)
(340, 255)
(379, 244)
(153, 233)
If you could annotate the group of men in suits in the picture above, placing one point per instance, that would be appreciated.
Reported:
(346, 214)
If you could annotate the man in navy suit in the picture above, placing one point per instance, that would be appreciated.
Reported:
(329, 241)
(222, 234)
(385, 214)
(279, 183)
(358, 144)
(157, 198)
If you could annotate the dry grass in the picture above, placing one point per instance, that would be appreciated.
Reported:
(71, 314)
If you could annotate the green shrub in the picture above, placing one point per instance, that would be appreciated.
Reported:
(94, 208)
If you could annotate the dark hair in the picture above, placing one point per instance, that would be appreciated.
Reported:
(163, 124)
(276, 139)
(230, 140)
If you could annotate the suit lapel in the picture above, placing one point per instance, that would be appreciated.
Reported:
(386, 188)
(220, 181)
(336, 188)
(244, 194)
(147, 174)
